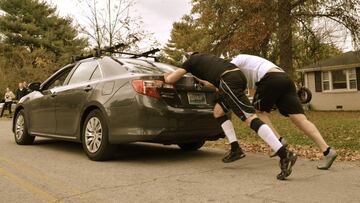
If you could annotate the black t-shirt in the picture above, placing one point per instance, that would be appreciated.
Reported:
(21, 93)
(207, 67)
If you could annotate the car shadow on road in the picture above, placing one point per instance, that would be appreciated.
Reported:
(134, 152)
(59, 145)
(157, 153)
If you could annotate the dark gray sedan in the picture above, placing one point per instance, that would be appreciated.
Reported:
(103, 101)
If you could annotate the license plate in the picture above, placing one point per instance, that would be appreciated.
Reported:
(196, 98)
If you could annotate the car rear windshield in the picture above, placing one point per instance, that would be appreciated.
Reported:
(110, 67)
(146, 67)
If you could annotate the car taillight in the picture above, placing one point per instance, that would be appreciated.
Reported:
(150, 87)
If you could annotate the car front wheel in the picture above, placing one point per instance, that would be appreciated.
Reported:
(191, 146)
(21, 134)
(95, 137)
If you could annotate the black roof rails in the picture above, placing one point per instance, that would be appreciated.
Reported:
(113, 49)
(146, 54)
(81, 57)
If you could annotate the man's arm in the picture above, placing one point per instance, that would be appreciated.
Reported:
(206, 83)
(174, 76)
(12, 96)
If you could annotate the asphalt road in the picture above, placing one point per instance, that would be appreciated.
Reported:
(57, 171)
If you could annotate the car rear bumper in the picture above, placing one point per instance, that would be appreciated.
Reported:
(151, 120)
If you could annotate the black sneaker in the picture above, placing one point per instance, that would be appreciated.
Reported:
(286, 165)
(233, 155)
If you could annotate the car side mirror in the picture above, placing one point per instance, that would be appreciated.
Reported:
(35, 86)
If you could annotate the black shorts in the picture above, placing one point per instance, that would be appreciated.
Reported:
(277, 88)
(232, 94)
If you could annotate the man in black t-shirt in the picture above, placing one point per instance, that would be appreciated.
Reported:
(21, 91)
(217, 73)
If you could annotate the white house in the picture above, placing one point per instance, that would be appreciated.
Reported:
(335, 82)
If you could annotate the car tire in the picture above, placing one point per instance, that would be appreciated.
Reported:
(21, 134)
(191, 146)
(95, 137)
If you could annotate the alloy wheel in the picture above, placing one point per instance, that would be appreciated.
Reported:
(93, 134)
(19, 126)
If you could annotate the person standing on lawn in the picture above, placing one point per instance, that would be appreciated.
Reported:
(9, 96)
(215, 72)
(275, 87)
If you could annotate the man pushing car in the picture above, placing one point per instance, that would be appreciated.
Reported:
(275, 87)
(231, 82)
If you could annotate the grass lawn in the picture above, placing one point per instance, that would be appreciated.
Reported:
(340, 130)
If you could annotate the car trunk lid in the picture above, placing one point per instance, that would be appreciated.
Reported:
(186, 93)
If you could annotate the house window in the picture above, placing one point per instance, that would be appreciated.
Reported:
(306, 80)
(326, 80)
(339, 80)
(352, 79)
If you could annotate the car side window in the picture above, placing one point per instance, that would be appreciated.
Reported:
(83, 72)
(96, 74)
(60, 80)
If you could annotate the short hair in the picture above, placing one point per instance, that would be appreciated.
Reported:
(188, 54)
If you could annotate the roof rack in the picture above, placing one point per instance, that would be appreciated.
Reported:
(146, 54)
(113, 49)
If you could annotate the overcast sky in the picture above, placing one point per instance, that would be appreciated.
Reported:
(157, 15)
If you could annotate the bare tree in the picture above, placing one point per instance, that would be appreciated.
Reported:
(110, 22)
(94, 30)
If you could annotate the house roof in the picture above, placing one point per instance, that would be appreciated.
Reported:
(349, 59)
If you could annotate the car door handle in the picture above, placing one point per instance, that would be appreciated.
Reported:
(88, 88)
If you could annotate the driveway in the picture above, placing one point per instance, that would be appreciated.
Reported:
(57, 171)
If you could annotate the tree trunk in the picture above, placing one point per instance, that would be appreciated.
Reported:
(110, 27)
(285, 35)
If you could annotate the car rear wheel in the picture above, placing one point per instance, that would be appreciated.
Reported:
(95, 139)
(191, 146)
(21, 134)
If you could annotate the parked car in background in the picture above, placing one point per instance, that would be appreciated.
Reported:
(102, 101)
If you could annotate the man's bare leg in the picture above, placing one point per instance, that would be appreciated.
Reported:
(309, 129)
(303, 124)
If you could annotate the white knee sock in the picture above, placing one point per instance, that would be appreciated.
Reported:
(229, 131)
(269, 137)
